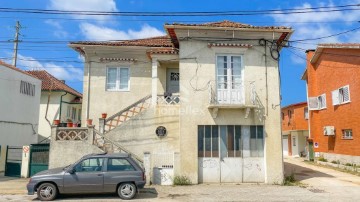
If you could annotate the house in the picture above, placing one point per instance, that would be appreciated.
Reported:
(199, 100)
(19, 105)
(58, 102)
(295, 130)
(333, 86)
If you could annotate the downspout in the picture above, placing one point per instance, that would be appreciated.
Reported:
(48, 102)
(88, 87)
(61, 97)
(266, 81)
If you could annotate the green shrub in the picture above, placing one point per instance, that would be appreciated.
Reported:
(350, 164)
(289, 180)
(182, 180)
(322, 159)
(335, 162)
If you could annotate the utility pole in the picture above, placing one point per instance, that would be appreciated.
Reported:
(16, 41)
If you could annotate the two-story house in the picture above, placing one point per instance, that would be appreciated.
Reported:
(58, 102)
(295, 130)
(204, 99)
(19, 112)
(333, 86)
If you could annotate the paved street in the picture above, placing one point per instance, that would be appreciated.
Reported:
(322, 185)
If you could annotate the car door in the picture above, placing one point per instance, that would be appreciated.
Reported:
(87, 178)
(119, 170)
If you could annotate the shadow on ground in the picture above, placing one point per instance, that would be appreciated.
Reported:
(302, 173)
(146, 193)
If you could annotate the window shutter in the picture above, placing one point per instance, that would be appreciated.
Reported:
(346, 93)
(323, 101)
(313, 103)
(335, 97)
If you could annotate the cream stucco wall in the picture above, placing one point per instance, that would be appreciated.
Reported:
(18, 112)
(195, 101)
(54, 111)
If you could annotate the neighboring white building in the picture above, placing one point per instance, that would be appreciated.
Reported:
(64, 102)
(19, 108)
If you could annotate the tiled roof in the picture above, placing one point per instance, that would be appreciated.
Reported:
(293, 105)
(15, 68)
(236, 45)
(49, 82)
(230, 24)
(160, 41)
(170, 51)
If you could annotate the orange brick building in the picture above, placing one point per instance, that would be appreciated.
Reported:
(295, 129)
(333, 86)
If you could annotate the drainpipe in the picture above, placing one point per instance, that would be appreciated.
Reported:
(88, 87)
(61, 97)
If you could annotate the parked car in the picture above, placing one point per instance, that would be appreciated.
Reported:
(94, 173)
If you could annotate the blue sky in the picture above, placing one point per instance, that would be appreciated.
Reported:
(66, 64)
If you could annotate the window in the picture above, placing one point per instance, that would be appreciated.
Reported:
(27, 88)
(73, 115)
(282, 115)
(317, 103)
(341, 95)
(119, 164)
(347, 134)
(68, 112)
(90, 165)
(117, 79)
(294, 141)
(79, 114)
(289, 114)
(306, 113)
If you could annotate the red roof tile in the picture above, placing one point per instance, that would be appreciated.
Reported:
(340, 45)
(49, 82)
(230, 24)
(15, 68)
(160, 41)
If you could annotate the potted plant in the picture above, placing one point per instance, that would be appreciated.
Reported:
(69, 123)
(75, 125)
(56, 122)
(104, 115)
(89, 122)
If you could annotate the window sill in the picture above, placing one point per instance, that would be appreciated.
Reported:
(347, 138)
(117, 90)
(342, 103)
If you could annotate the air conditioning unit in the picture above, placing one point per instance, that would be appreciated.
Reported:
(329, 130)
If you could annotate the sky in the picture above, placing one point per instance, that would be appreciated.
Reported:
(45, 37)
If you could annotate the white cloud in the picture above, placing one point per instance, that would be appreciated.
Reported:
(85, 5)
(59, 31)
(102, 33)
(314, 25)
(66, 72)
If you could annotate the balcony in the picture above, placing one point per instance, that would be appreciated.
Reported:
(168, 99)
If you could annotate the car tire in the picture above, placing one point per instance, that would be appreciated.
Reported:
(127, 190)
(47, 192)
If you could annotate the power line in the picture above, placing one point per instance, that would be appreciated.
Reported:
(324, 37)
(196, 13)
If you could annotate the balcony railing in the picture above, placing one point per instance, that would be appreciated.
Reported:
(168, 99)
(72, 134)
(244, 95)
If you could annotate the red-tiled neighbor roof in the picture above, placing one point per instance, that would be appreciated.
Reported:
(230, 24)
(293, 105)
(2, 63)
(49, 82)
(160, 41)
(339, 45)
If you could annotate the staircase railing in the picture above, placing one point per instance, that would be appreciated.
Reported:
(109, 146)
(106, 125)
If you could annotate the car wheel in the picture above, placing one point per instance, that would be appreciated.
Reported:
(47, 192)
(127, 191)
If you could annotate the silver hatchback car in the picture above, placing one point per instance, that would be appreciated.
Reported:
(94, 173)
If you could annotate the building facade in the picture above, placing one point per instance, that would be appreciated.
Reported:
(295, 130)
(19, 104)
(198, 100)
(58, 102)
(333, 86)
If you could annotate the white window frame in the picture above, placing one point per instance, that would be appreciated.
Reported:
(318, 102)
(337, 97)
(345, 136)
(73, 113)
(68, 111)
(117, 85)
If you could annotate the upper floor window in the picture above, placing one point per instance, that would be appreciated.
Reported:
(289, 114)
(73, 114)
(347, 134)
(306, 113)
(282, 115)
(341, 95)
(27, 88)
(117, 79)
(317, 103)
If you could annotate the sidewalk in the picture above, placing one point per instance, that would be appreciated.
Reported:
(12, 185)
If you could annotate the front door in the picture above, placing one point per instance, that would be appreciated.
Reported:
(88, 177)
(172, 80)
(231, 153)
(229, 80)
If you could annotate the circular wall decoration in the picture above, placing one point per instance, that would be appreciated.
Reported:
(160, 131)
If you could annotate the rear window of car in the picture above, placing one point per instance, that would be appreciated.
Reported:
(119, 164)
